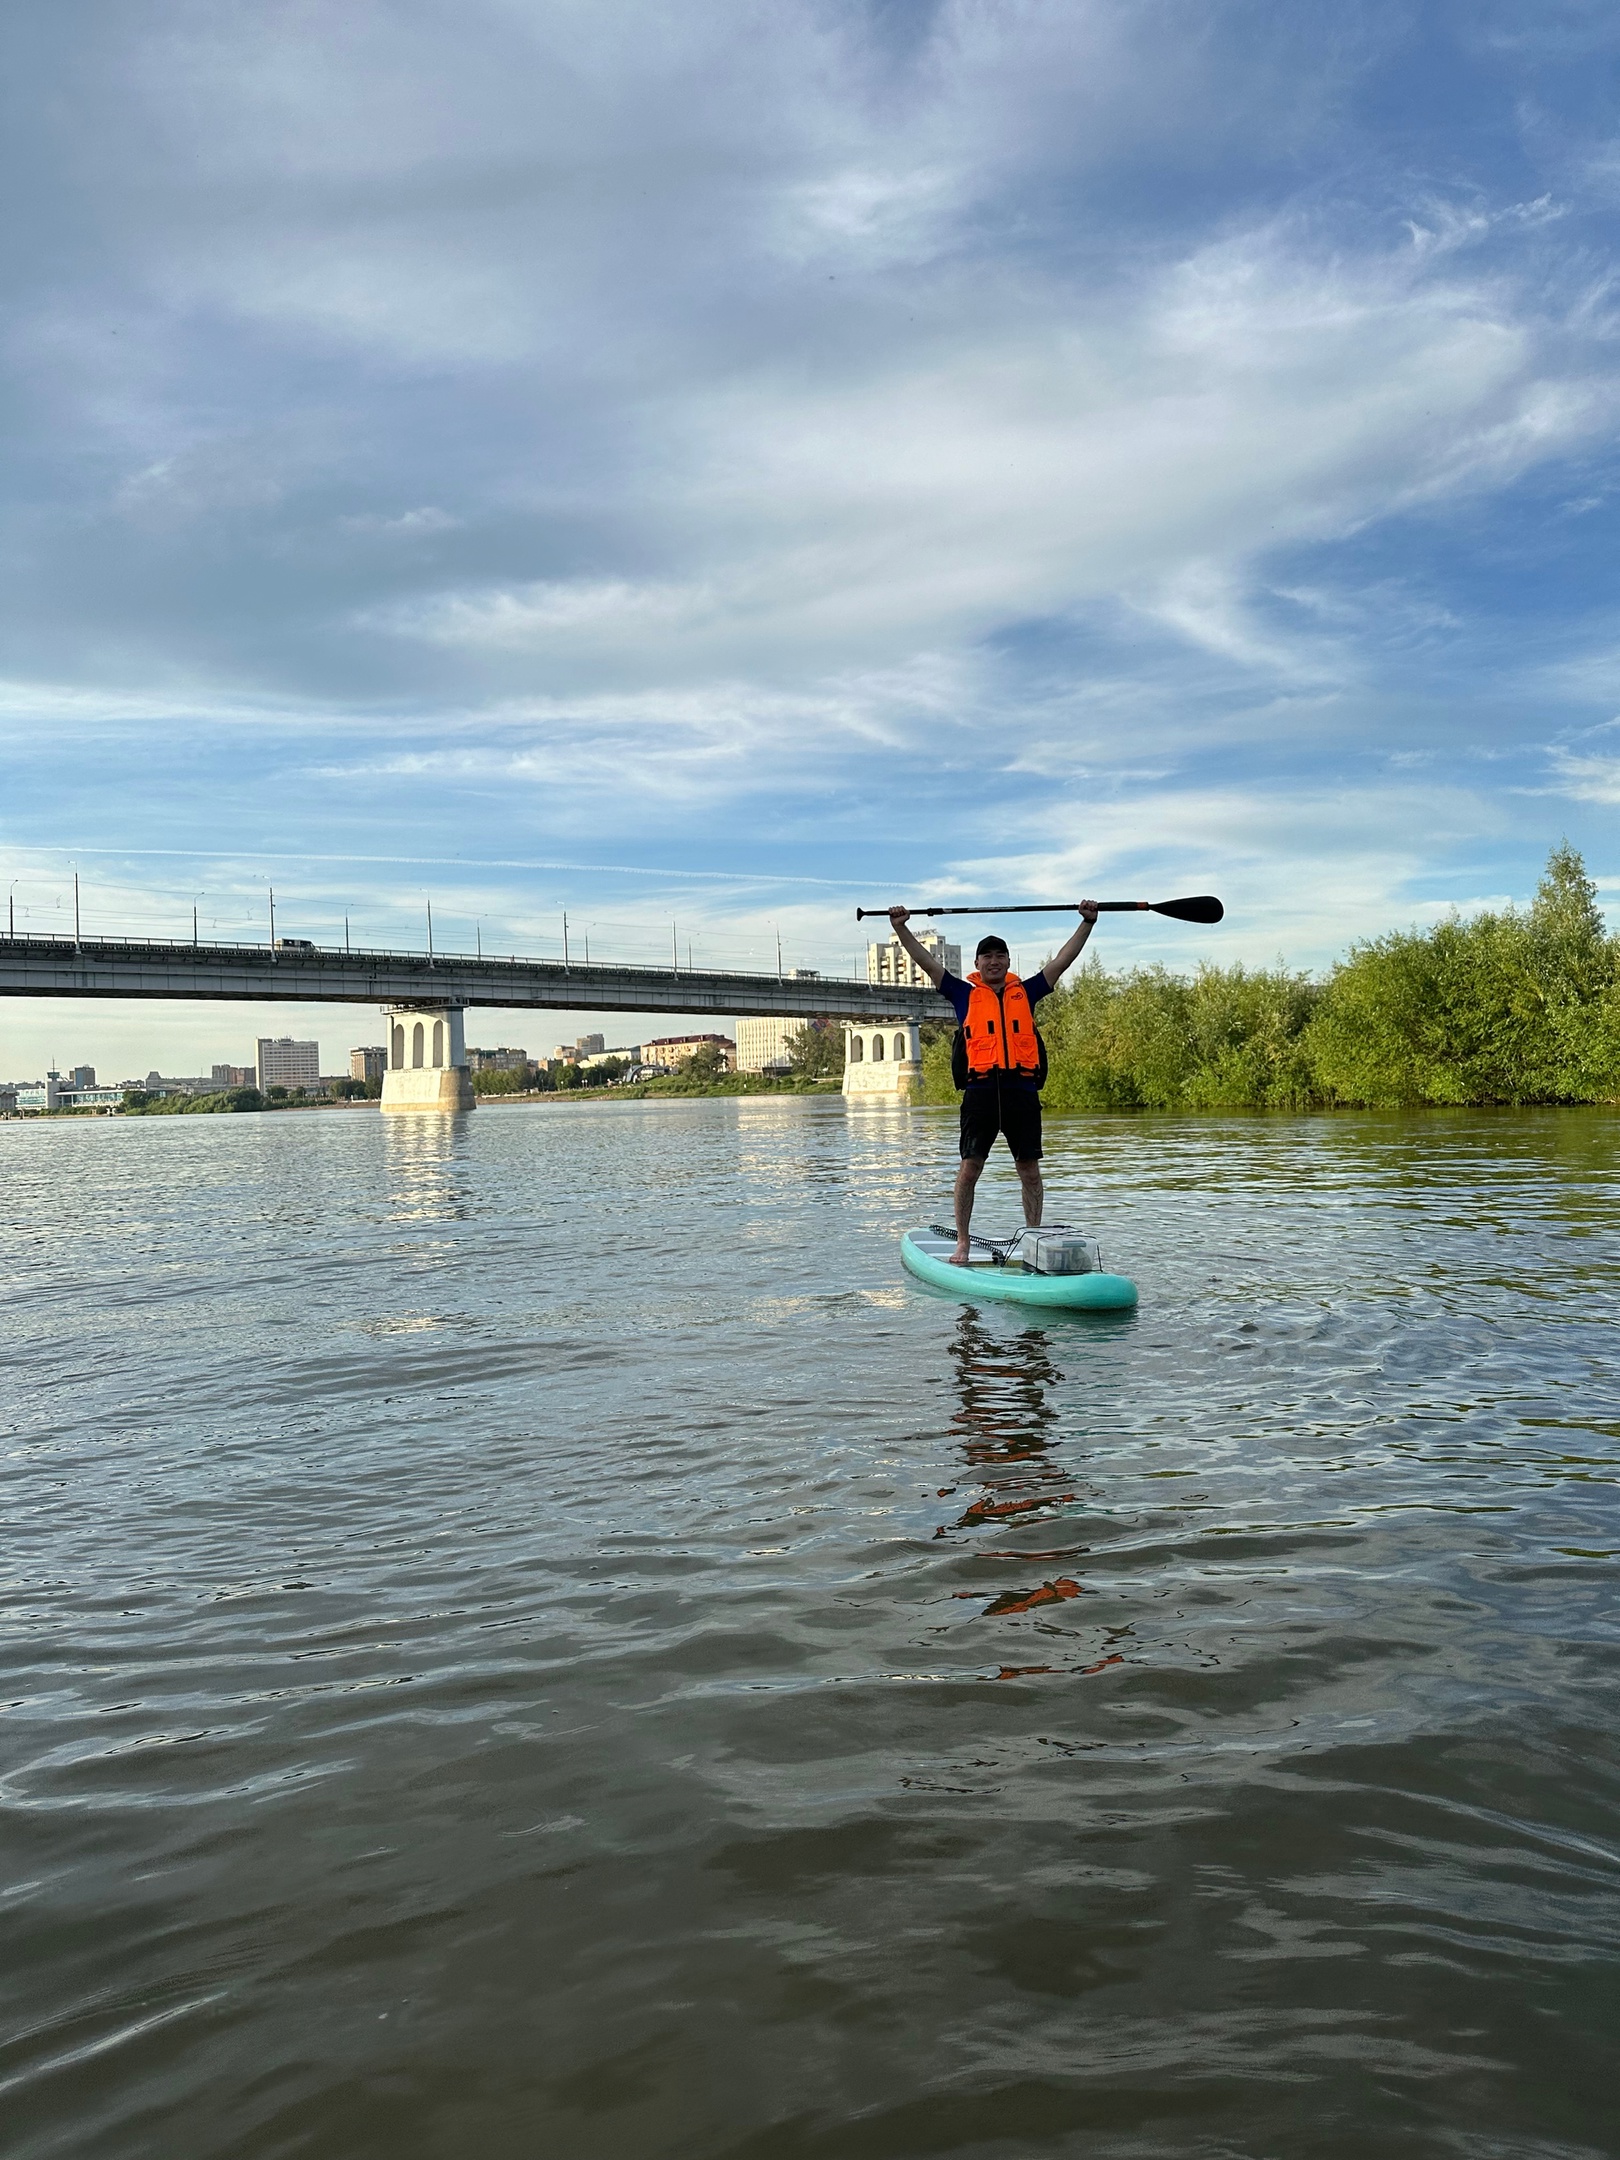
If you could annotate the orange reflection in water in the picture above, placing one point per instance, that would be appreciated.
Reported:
(1049, 1593)
(999, 1510)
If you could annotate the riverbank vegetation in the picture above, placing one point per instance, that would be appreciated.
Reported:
(139, 1104)
(1518, 1007)
(746, 1083)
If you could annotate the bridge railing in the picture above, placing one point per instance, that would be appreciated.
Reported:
(306, 955)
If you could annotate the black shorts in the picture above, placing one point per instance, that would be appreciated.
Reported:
(1010, 1107)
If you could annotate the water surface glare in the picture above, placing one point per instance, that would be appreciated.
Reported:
(528, 1636)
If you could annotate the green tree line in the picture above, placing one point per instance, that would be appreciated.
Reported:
(1518, 1007)
(137, 1103)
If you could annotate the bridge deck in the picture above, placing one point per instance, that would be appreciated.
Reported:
(144, 968)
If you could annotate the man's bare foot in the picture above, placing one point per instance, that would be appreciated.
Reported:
(960, 1257)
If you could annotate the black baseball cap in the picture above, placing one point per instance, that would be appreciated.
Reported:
(989, 943)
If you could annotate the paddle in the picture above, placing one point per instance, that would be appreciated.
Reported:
(1200, 908)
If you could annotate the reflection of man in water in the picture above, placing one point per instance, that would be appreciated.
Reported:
(1003, 1425)
(995, 1010)
(1005, 1415)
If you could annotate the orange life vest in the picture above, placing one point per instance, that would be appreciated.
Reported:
(999, 1031)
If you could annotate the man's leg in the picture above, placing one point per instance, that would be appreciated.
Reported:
(1029, 1177)
(967, 1179)
(1021, 1121)
(981, 1119)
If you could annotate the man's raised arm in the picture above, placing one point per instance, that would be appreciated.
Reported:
(932, 968)
(1061, 962)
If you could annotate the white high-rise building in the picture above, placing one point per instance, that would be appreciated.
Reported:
(763, 1045)
(891, 963)
(285, 1063)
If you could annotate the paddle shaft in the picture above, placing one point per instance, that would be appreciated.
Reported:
(1204, 908)
(1039, 907)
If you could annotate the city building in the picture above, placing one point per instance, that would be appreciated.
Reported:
(233, 1076)
(503, 1060)
(368, 1063)
(891, 963)
(288, 1064)
(764, 1046)
(55, 1093)
(668, 1051)
(43, 1094)
(583, 1047)
(625, 1054)
(82, 1076)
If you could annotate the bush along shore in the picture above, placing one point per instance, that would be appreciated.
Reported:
(1521, 1007)
(675, 1083)
(137, 1103)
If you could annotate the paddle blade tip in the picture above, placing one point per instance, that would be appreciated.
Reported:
(1200, 908)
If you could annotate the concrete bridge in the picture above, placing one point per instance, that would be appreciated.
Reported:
(427, 1062)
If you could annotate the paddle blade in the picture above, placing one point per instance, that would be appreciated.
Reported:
(1202, 907)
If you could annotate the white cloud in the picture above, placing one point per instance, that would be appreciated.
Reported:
(420, 523)
(1442, 228)
(1588, 778)
(1300, 876)
(1031, 458)
(531, 615)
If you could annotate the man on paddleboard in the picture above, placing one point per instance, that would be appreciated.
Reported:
(994, 1008)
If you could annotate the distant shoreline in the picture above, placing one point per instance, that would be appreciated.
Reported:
(674, 1090)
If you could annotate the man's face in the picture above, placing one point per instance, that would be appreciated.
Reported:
(993, 967)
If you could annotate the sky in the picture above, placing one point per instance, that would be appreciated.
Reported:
(716, 467)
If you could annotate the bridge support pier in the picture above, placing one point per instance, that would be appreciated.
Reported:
(427, 1059)
(882, 1063)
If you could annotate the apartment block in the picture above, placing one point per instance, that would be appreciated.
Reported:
(891, 963)
(763, 1045)
(286, 1063)
(668, 1051)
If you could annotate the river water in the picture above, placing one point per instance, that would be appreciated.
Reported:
(529, 1637)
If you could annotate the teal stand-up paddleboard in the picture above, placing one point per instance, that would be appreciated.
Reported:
(926, 1254)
